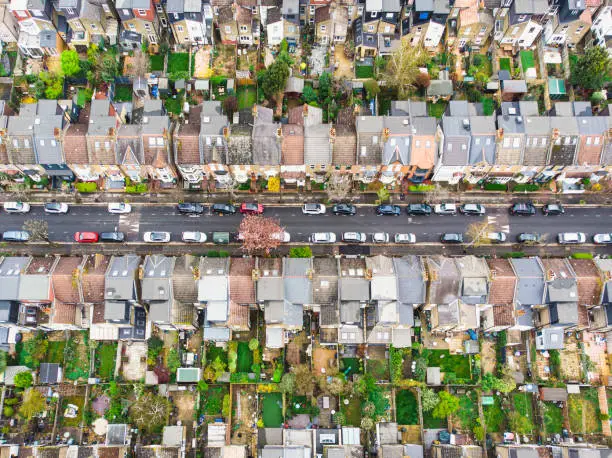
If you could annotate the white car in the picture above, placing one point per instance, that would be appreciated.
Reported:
(602, 239)
(56, 207)
(353, 237)
(313, 209)
(445, 209)
(566, 238)
(283, 237)
(119, 208)
(405, 238)
(194, 237)
(496, 237)
(323, 237)
(156, 237)
(380, 237)
(16, 207)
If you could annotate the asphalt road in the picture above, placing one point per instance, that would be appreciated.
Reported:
(590, 220)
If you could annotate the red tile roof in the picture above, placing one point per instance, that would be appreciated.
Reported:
(242, 287)
(503, 281)
(589, 282)
(292, 146)
(503, 315)
(75, 144)
(66, 278)
(93, 278)
(187, 143)
(64, 313)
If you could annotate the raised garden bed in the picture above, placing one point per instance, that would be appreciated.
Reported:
(247, 97)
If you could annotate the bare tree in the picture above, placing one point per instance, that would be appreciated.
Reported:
(150, 412)
(338, 187)
(139, 64)
(403, 68)
(260, 234)
(478, 233)
(38, 229)
(19, 190)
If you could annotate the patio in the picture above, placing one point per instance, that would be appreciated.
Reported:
(323, 359)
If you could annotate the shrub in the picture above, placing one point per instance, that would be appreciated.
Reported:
(11, 401)
(495, 187)
(253, 344)
(300, 252)
(514, 254)
(8, 411)
(137, 188)
(24, 379)
(582, 255)
(226, 405)
(421, 188)
(526, 187)
(87, 187)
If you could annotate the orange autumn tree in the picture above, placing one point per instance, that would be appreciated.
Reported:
(260, 234)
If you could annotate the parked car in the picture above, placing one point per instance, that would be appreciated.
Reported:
(193, 237)
(187, 208)
(221, 238)
(16, 236)
(323, 237)
(344, 209)
(405, 238)
(283, 237)
(353, 237)
(156, 237)
(223, 209)
(388, 210)
(451, 237)
(16, 207)
(529, 238)
(119, 208)
(602, 239)
(380, 237)
(553, 209)
(496, 237)
(56, 207)
(445, 209)
(566, 238)
(251, 208)
(418, 209)
(86, 237)
(116, 237)
(523, 209)
(472, 209)
(313, 209)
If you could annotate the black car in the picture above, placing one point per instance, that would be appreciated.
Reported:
(523, 209)
(223, 209)
(112, 237)
(190, 209)
(553, 209)
(529, 238)
(344, 209)
(388, 210)
(418, 209)
(451, 237)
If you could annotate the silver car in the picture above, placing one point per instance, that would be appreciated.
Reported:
(16, 236)
(16, 207)
(567, 238)
(354, 237)
(194, 237)
(380, 237)
(313, 209)
(156, 237)
(405, 238)
(322, 237)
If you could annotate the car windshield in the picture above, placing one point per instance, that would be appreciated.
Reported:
(53, 206)
(120, 206)
(311, 206)
(251, 206)
(157, 236)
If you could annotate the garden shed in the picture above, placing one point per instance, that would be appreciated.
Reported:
(553, 394)
(556, 88)
(433, 376)
(187, 375)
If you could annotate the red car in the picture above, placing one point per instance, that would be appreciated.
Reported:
(86, 237)
(251, 209)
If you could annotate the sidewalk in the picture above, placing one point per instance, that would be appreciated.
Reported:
(288, 198)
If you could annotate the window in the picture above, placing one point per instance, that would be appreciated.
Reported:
(449, 147)
(77, 26)
(93, 26)
(151, 141)
(53, 143)
(516, 143)
(506, 142)
(359, 10)
(125, 12)
(567, 140)
(588, 140)
(26, 143)
(515, 30)
(477, 141)
(131, 26)
(42, 143)
(147, 26)
(543, 142)
(142, 12)
(302, 10)
(387, 29)
(528, 142)
(219, 141)
(68, 10)
(428, 144)
(291, 29)
(417, 143)
(179, 28)
(374, 13)
(312, 10)
(370, 28)
(107, 145)
(558, 141)
(323, 28)
(488, 142)
(363, 151)
(22, 14)
(228, 29)
(208, 141)
(244, 29)
(160, 141)
(596, 142)
(467, 31)
(463, 147)
(375, 140)
(16, 143)
(152, 39)
(349, 10)
(574, 140)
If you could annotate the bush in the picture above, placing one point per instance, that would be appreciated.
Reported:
(87, 187)
(137, 188)
(495, 187)
(226, 405)
(526, 187)
(300, 252)
(8, 411)
(514, 254)
(582, 255)
(421, 188)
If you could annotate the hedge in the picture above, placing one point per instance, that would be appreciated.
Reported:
(582, 255)
(526, 187)
(87, 186)
(137, 188)
(300, 252)
(514, 254)
(421, 188)
(495, 186)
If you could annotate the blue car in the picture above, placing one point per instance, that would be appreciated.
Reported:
(388, 210)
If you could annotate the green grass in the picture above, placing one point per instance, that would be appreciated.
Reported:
(77, 401)
(123, 94)
(457, 364)
(352, 411)
(522, 404)
(272, 410)
(105, 360)
(437, 109)
(584, 406)
(504, 64)
(245, 357)
(156, 62)
(364, 71)
(482, 63)
(178, 62)
(213, 400)
(212, 352)
(553, 418)
(527, 60)
(494, 416)
(174, 105)
(406, 406)
(353, 363)
(468, 410)
(55, 352)
(429, 422)
(378, 368)
(247, 96)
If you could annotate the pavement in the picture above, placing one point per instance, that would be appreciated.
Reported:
(88, 217)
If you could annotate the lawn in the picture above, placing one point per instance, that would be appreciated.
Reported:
(456, 364)
(483, 64)
(522, 404)
(494, 416)
(352, 411)
(55, 351)
(245, 357)
(527, 60)
(378, 368)
(504, 64)
(106, 354)
(213, 401)
(156, 62)
(553, 418)
(429, 422)
(352, 366)
(247, 96)
(583, 411)
(77, 401)
(468, 410)
(212, 352)
(272, 410)
(123, 93)
(174, 105)
(364, 71)
(178, 62)
(406, 406)
(437, 109)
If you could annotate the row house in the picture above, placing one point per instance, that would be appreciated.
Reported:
(140, 24)
(9, 26)
(81, 23)
(283, 24)
(191, 21)
(566, 23)
(331, 24)
(601, 29)
(378, 25)
(239, 24)
(423, 22)
(37, 34)
(469, 25)
(517, 26)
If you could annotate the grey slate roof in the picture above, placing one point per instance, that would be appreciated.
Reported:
(537, 125)
(530, 6)
(297, 284)
(10, 271)
(284, 312)
(317, 147)
(440, 88)
(549, 339)
(530, 281)
(411, 284)
(413, 108)
(120, 277)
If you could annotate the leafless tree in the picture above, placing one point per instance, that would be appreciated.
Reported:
(477, 233)
(403, 68)
(260, 234)
(149, 412)
(38, 229)
(338, 187)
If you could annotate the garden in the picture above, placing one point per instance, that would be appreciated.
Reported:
(456, 368)
(437, 109)
(178, 65)
(494, 415)
(272, 409)
(212, 400)
(106, 354)
(123, 93)
(378, 368)
(55, 351)
(583, 412)
(553, 417)
(351, 408)
(71, 417)
(407, 408)
(351, 366)
(244, 361)
(156, 62)
(505, 64)
(247, 96)
(467, 415)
